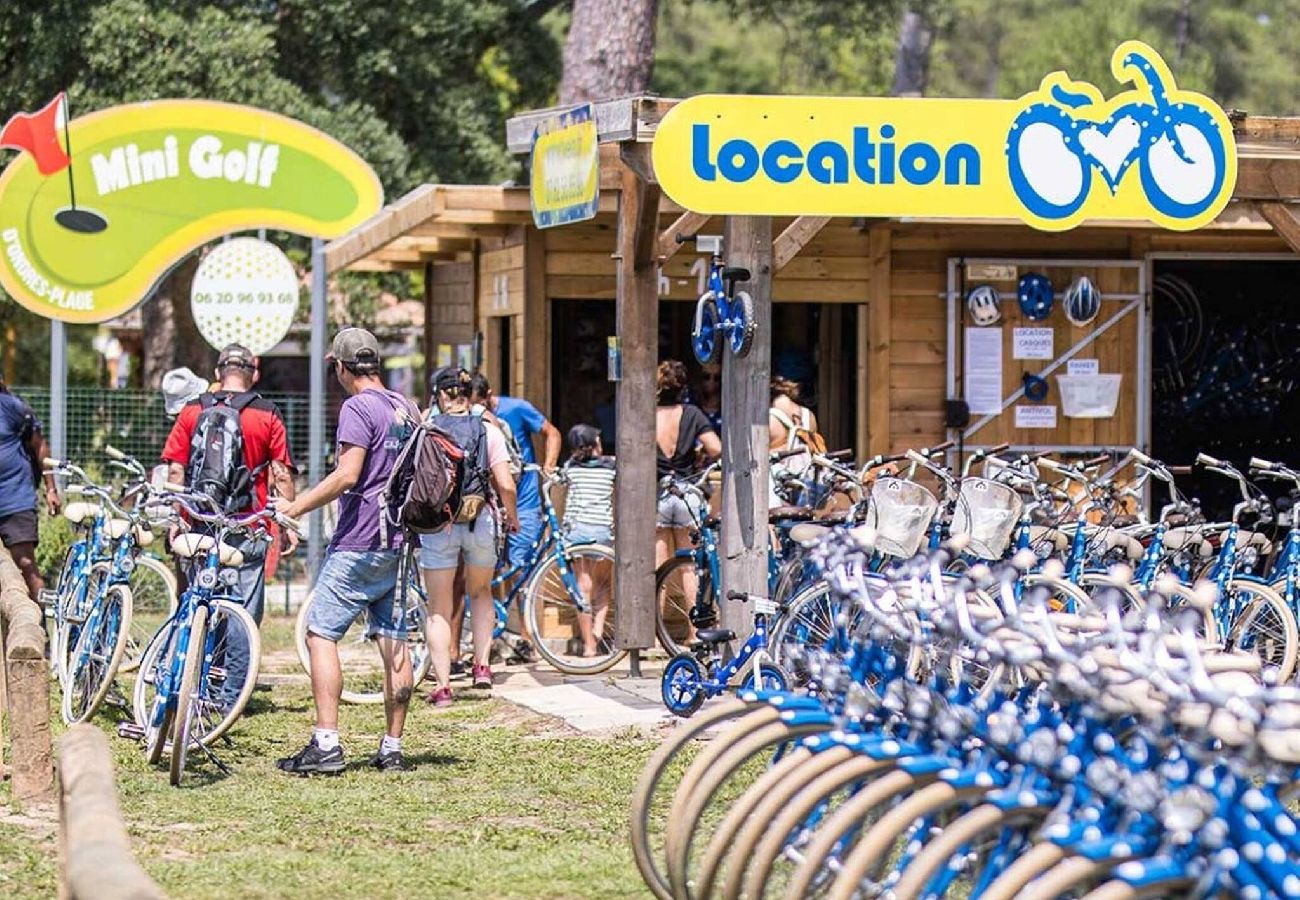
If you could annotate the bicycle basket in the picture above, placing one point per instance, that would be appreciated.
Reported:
(901, 512)
(987, 512)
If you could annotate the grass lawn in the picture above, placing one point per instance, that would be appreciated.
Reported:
(502, 804)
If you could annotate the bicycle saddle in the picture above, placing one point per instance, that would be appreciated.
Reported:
(808, 533)
(715, 635)
(80, 511)
(189, 545)
(1188, 539)
(735, 273)
(711, 522)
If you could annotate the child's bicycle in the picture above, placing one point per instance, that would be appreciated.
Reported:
(722, 314)
(693, 677)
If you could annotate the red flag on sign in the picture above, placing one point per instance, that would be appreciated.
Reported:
(38, 134)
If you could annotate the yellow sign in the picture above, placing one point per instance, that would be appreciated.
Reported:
(92, 216)
(1053, 158)
(565, 178)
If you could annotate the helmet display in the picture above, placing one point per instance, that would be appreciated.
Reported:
(984, 305)
(1036, 294)
(1035, 387)
(1082, 301)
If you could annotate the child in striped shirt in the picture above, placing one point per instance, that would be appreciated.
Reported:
(589, 518)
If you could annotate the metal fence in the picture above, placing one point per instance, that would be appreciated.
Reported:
(135, 422)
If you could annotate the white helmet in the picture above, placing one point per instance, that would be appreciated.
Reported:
(1082, 301)
(983, 305)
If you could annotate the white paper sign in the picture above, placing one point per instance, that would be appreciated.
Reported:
(983, 370)
(1083, 367)
(1035, 416)
(1031, 343)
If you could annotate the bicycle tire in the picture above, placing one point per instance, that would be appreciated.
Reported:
(420, 661)
(131, 661)
(1267, 605)
(965, 830)
(1033, 863)
(758, 849)
(689, 804)
(872, 851)
(185, 697)
(1072, 874)
(705, 587)
(105, 676)
(646, 788)
(62, 587)
(66, 633)
(1179, 886)
(156, 745)
(706, 336)
(748, 324)
(534, 613)
(852, 814)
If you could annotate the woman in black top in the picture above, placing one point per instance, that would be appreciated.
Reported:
(679, 430)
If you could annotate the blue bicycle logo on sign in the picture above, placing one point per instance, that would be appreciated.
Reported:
(1180, 142)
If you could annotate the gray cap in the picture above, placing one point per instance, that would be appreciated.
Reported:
(237, 355)
(355, 346)
(180, 386)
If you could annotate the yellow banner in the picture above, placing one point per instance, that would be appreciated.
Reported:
(565, 179)
(1053, 158)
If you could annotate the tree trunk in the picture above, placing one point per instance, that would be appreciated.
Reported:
(610, 49)
(912, 65)
(169, 335)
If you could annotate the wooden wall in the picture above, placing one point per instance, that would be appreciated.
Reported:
(451, 307)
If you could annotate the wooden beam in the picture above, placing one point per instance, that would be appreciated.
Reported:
(748, 242)
(637, 325)
(637, 158)
(795, 237)
(392, 221)
(439, 229)
(619, 119)
(879, 326)
(685, 225)
(428, 342)
(1285, 222)
(536, 321)
(1267, 174)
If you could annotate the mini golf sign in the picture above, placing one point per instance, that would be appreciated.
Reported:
(1053, 158)
(96, 210)
(565, 172)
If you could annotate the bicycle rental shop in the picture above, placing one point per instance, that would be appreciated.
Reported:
(1191, 345)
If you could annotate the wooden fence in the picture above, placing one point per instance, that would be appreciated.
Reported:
(24, 689)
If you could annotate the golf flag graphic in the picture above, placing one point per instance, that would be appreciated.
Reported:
(38, 134)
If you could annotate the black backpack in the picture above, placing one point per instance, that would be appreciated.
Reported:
(217, 465)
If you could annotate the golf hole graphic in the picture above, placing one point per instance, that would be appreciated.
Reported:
(244, 292)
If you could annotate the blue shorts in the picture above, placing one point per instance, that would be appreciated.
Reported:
(679, 512)
(582, 533)
(445, 549)
(519, 547)
(352, 582)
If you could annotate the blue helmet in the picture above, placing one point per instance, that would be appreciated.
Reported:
(1082, 301)
(1035, 387)
(1036, 294)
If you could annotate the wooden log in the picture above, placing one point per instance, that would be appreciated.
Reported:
(97, 859)
(684, 226)
(637, 324)
(1285, 222)
(880, 337)
(28, 688)
(795, 237)
(747, 242)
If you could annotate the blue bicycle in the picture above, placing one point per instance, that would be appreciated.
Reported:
(723, 315)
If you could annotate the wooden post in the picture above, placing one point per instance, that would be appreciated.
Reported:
(637, 324)
(880, 312)
(427, 345)
(747, 242)
(27, 686)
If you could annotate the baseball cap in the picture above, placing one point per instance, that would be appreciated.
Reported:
(180, 386)
(236, 355)
(354, 345)
(447, 378)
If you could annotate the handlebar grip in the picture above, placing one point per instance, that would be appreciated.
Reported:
(683, 238)
(1180, 470)
(291, 524)
(174, 488)
(1050, 464)
(1039, 456)
(939, 448)
(1096, 461)
(839, 454)
(1205, 459)
(916, 456)
(1141, 457)
(742, 596)
(51, 463)
(1000, 448)
(1262, 464)
(113, 453)
(785, 454)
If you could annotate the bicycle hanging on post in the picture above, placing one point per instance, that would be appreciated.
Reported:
(722, 314)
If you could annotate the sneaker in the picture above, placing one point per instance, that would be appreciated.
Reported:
(458, 668)
(392, 761)
(312, 760)
(440, 697)
(483, 678)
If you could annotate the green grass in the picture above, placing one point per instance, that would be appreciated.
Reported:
(502, 804)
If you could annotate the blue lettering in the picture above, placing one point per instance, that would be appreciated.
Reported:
(886, 155)
(920, 163)
(778, 171)
(952, 160)
(742, 150)
(704, 170)
(828, 163)
(863, 153)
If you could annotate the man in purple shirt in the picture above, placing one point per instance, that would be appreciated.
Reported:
(361, 565)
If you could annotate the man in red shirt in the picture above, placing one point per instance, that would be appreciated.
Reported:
(266, 454)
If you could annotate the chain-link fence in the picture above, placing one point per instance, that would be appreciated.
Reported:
(135, 422)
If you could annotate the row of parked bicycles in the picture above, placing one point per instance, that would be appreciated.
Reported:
(1018, 685)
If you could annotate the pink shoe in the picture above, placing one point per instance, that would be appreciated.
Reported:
(483, 678)
(441, 697)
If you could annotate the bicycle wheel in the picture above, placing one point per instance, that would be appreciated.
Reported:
(153, 712)
(153, 600)
(1264, 625)
(187, 698)
(744, 325)
(706, 333)
(552, 615)
(810, 623)
(363, 668)
(677, 583)
(95, 659)
(971, 836)
(76, 608)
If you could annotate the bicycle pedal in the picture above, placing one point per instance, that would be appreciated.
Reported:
(130, 731)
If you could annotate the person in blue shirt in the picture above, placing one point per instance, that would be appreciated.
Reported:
(22, 450)
(524, 423)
